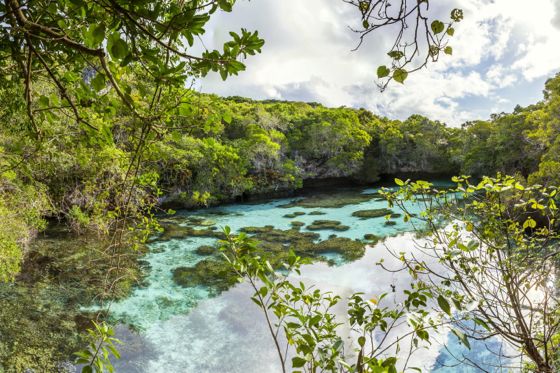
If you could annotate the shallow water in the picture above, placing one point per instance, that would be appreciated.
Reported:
(188, 330)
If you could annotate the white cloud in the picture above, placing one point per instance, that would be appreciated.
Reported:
(500, 76)
(556, 19)
(501, 44)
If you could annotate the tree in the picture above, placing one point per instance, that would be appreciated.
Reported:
(304, 328)
(81, 46)
(494, 275)
(496, 244)
(328, 141)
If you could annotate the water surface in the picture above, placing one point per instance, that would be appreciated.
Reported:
(191, 329)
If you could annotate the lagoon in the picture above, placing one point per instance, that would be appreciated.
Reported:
(169, 327)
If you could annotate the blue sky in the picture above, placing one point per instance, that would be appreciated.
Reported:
(503, 52)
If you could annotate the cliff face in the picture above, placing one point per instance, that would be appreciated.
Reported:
(311, 173)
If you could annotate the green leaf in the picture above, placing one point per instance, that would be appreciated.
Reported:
(399, 182)
(87, 369)
(118, 49)
(383, 71)
(529, 223)
(298, 362)
(444, 304)
(457, 15)
(98, 82)
(400, 75)
(98, 34)
(223, 74)
(315, 320)
(226, 117)
(390, 361)
(464, 340)
(481, 323)
(437, 26)
(423, 335)
(114, 351)
(225, 5)
(448, 50)
(362, 341)
(397, 55)
(44, 101)
(450, 31)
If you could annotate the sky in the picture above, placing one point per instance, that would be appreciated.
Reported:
(503, 52)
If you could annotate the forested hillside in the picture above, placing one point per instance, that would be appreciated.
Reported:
(216, 149)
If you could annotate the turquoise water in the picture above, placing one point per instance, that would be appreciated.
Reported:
(162, 298)
(181, 329)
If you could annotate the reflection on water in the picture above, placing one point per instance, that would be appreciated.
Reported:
(188, 329)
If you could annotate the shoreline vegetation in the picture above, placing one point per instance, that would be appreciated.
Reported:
(242, 150)
(64, 272)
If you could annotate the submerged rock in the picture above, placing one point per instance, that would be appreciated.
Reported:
(188, 220)
(373, 213)
(257, 230)
(297, 224)
(41, 319)
(215, 274)
(348, 248)
(276, 243)
(294, 214)
(200, 221)
(335, 225)
(317, 213)
(330, 200)
(176, 231)
(205, 250)
(371, 237)
(390, 223)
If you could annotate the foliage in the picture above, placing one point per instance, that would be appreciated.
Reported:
(496, 263)
(101, 345)
(22, 208)
(84, 46)
(98, 130)
(73, 101)
(303, 324)
(497, 260)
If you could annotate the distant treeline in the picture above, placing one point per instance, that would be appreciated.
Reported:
(211, 149)
(261, 146)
